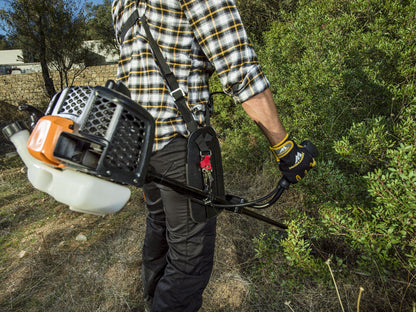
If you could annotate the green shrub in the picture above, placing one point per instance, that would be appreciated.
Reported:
(243, 145)
(365, 146)
(384, 229)
(333, 63)
(342, 74)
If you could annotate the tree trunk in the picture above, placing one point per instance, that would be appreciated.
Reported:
(49, 86)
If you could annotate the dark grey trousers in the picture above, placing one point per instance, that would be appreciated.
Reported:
(177, 252)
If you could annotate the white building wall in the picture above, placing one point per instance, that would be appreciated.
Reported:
(14, 58)
(11, 57)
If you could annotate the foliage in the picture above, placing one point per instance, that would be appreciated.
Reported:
(48, 31)
(343, 75)
(258, 15)
(366, 143)
(243, 145)
(27, 22)
(385, 228)
(332, 63)
(100, 26)
(66, 50)
(4, 43)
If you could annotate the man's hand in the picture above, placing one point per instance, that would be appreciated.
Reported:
(294, 160)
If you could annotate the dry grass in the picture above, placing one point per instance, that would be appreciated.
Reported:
(43, 267)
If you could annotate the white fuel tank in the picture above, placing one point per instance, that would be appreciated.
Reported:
(80, 191)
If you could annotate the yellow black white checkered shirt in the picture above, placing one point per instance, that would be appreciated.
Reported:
(196, 37)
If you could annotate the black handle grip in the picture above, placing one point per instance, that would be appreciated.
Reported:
(33, 112)
(311, 148)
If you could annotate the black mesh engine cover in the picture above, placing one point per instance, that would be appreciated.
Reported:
(113, 135)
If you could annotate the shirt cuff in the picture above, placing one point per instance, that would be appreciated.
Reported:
(253, 83)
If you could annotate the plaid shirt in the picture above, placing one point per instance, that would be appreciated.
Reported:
(196, 37)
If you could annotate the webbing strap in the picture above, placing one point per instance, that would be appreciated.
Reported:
(129, 24)
(175, 90)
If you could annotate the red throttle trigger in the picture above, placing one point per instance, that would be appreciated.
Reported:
(205, 163)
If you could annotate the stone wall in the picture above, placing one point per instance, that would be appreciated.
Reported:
(29, 88)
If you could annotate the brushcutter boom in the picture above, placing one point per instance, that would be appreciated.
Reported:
(234, 203)
(100, 137)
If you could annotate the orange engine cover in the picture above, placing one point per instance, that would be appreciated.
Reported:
(44, 137)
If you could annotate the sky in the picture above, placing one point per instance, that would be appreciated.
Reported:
(97, 1)
(3, 4)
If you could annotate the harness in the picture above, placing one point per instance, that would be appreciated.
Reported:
(204, 163)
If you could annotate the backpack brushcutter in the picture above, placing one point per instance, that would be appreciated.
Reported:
(94, 141)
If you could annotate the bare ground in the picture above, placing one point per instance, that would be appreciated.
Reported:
(46, 265)
(52, 259)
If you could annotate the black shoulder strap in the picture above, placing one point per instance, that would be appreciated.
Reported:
(177, 93)
(129, 24)
(175, 90)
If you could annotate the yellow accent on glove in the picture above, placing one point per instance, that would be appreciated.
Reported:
(283, 148)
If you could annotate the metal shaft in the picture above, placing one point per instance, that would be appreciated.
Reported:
(190, 191)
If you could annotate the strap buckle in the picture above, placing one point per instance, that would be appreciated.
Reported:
(177, 94)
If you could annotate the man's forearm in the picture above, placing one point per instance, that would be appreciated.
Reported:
(262, 110)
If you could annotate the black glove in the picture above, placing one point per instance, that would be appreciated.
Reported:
(294, 160)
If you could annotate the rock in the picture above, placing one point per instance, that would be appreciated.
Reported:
(11, 155)
(22, 254)
(81, 238)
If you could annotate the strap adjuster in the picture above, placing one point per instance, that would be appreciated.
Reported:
(178, 94)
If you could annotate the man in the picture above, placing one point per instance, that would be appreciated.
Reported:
(196, 37)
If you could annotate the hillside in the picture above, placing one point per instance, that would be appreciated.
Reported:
(53, 259)
(342, 74)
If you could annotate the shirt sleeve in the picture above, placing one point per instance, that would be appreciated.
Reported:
(219, 31)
